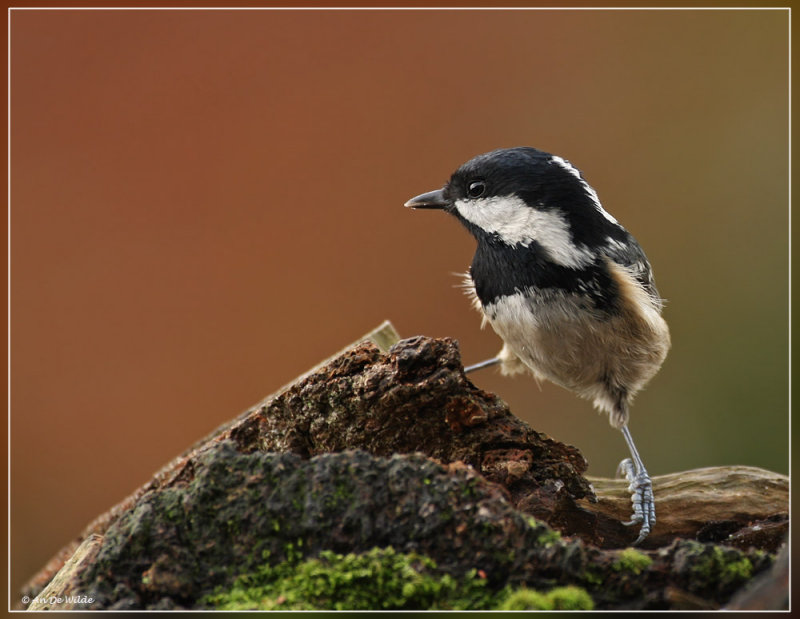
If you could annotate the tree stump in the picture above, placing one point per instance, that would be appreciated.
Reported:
(389, 445)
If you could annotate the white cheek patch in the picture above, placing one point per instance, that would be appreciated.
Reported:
(586, 187)
(517, 223)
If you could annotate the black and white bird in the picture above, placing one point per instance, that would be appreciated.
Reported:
(565, 286)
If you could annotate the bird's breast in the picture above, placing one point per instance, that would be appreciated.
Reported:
(562, 338)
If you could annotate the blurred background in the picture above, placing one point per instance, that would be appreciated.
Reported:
(204, 204)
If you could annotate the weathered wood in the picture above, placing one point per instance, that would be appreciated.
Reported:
(741, 506)
(386, 397)
(63, 591)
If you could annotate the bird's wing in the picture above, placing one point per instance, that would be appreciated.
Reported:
(631, 256)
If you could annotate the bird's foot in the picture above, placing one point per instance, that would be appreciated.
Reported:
(641, 489)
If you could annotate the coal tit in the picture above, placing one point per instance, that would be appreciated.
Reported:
(566, 287)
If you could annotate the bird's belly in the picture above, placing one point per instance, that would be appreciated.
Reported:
(553, 346)
(561, 340)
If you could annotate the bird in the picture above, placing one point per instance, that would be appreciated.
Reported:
(565, 286)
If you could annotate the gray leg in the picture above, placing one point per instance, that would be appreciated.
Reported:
(644, 507)
(481, 365)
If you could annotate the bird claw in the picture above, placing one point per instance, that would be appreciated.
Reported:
(641, 489)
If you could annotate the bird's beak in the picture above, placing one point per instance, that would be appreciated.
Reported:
(432, 199)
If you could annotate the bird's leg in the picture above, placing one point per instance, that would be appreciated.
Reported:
(482, 364)
(644, 507)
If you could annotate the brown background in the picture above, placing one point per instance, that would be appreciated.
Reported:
(204, 204)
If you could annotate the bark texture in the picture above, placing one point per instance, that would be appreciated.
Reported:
(379, 448)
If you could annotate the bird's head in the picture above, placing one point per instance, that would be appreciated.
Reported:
(521, 196)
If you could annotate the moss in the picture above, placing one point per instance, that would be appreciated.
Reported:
(714, 562)
(173, 507)
(738, 570)
(547, 536)
(378, 579)
(631, 560)
(594, 575)
(471, 489)
(724, 569)
(341, 496)
(560, 598)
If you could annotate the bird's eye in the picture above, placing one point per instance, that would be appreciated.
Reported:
(475, 189)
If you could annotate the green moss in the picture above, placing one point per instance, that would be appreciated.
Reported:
(173, 506)
(632, 560)
(728, 567)
(560, 598)
(547, 536)
(724, 568)
(594, 575)
(738, 570)
(341, 495)
(378, 579)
